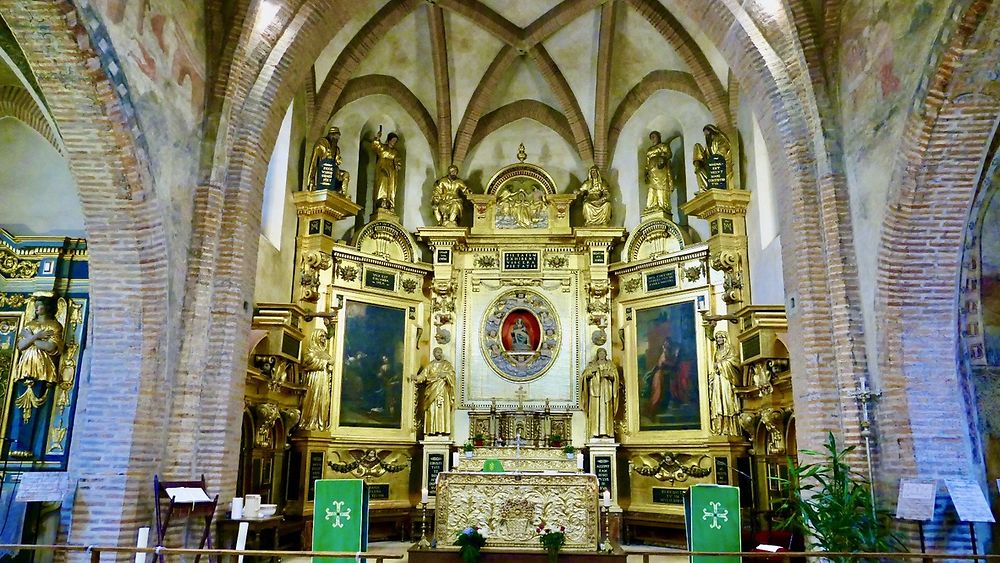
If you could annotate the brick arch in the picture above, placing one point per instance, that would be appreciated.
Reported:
(17, 102)
(817, 243)
(934, 183)
(522, 109)
(380, 84)
(653, 82)
(126, 239)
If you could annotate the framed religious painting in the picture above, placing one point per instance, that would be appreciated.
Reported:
(665, 360)
(376, 350)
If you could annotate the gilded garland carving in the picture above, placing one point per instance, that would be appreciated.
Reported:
(369, 463)
(671, 467)
(632, 285)
(347, 273)
(728, 263)
(13, 300)
(556, 262)
(409, 285)
(486, 261)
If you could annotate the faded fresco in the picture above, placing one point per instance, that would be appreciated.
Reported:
(372, 383)
(667, 365)
(990, 282)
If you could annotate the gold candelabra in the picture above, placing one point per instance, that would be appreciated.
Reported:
(606, 544)
(423, 543)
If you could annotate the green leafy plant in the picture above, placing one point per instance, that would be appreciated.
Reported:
(555, 440)
(468, 447)
(569, 449)
(471, 540)
(831, 505)
(551, 539)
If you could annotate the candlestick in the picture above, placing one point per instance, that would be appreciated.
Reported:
(424, 496)
(606, 544)
(423, 543)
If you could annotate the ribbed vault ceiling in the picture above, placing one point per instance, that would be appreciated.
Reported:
(462, 69)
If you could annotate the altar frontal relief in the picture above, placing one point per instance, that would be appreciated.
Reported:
(372, 382)
(667, 366)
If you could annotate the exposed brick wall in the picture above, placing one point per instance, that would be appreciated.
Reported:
(933, 187)
(118, 439)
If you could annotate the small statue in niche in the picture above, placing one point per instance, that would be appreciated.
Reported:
(317, 363)
(722, 382)
(596, 200)
(325, 166)
(717, 150)
(438, 379)
(658, 175)
(39, 342)
(600, 394)
(388, 163)
(446, 199)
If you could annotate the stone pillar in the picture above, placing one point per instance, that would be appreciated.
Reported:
(436, 459)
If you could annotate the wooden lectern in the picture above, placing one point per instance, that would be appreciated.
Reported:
(183, 499)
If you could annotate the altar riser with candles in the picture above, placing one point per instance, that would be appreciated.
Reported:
(515, 365)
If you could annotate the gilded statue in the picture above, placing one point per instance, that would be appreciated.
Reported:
(722, 382)
(600, 394)
(317, 364)
(597, 201)
(39, 342)
(388, 163)
(446, 199)
(716, 144)
(657, 174)
(438, 379)
(326, 152)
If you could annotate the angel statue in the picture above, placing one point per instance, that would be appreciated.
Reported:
(39, 343)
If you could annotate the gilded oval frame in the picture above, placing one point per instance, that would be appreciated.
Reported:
(520, 367)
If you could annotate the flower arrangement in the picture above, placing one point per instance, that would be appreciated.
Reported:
(479, 440)
(555, 441)
(551, 539)
(471, 540)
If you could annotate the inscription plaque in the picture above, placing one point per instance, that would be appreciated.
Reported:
(378, 491)
(315, 472)
(380, 280)
(717, 172)
(661, 280)
(663, 495)
(520, 260)
(721, 471)
(435, 465)
(602, 468)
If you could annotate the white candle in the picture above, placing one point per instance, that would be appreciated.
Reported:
(454, 460)
(607, 498)
(424, 497)
(579, 460)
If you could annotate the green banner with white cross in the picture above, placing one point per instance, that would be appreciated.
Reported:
(340, 518)
(712, 514)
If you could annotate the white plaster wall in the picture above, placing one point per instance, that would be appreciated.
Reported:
(669, 113)
(418, 171)
(524, 81)
(470, 52)
(574, 49)
(39, 193)
(767, 284)
(638, 50)
(544, 147)
(522, 12)
(405, 54)
(361, 11)
(276, 248)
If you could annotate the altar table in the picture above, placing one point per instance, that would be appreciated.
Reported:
(511, 505)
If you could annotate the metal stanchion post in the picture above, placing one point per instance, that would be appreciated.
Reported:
(423, 543)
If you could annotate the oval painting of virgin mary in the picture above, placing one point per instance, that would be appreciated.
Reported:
(521, 335)
(520, 332)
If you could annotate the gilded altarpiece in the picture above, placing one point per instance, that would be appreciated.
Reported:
(37, 417)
